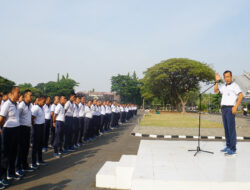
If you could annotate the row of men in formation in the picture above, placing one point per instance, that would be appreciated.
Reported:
(64, 126)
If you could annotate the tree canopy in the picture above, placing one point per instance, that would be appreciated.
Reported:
(128, 87)
(174, 80)
(6, 85)
(63, 86)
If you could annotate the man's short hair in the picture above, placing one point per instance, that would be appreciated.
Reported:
(41, 97)
(227, 71)
(72, 94)
(26, 92)
(13, 88)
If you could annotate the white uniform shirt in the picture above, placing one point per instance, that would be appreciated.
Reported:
(98, 110)
(94, 109)
(52, 108)
(126, 109)
(60, 111)
(76, 110)
(122, 109)
(117, 109)
(24, 114)
(113, 108)
(108, 109)
(70, 108)
(103, 110)
(229, 94)
(39, 115)
(10, 111)
(88, 112)
(47, 111)
(81, 110)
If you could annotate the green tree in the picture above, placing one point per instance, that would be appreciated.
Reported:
(64, 86)
(128, 87)
(35, 92)
(6, 85)
(173, 80)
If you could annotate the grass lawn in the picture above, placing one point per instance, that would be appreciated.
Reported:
(176, 120)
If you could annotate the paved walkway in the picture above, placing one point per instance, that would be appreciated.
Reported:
(77, 170)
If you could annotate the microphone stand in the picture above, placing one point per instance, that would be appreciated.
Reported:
(198, 149)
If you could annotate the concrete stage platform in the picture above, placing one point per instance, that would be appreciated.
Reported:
(163, 165)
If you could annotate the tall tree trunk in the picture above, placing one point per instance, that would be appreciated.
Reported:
(183, 103)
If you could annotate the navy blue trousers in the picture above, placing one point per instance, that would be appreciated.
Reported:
(81, 133)
(76, 124)
(59, 132)
(9, 150)
(23, 147)
(68, 130)
(37, 142)
(229, 125)
(46, 131)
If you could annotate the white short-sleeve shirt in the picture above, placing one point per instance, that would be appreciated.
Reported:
(39, 115)
(88, 112)
(98, 110)
(229, 94)
(47, 111)
(94, 109)
(70, 108)
(24, 114)
(60, 112)
(103, 110)
(52, 108)
(108, 109)
(9, 110)
(76, 110)
(81, 110)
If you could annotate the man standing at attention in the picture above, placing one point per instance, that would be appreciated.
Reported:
(231, 99)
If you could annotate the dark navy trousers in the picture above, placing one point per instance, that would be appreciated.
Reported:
(229, 125)
(58, 141)
(68, 132)
(37, 142)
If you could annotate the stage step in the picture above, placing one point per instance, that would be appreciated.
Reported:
(117, 175)
(124, 171)
(106, 176)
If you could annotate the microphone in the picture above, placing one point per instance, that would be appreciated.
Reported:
(218, 81)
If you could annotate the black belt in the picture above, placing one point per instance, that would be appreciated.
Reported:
(227, 106)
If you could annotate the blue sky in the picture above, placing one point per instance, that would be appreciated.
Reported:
(95, 39)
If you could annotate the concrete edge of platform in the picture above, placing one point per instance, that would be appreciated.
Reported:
(185, 137)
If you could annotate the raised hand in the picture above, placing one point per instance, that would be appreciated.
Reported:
(217, 77)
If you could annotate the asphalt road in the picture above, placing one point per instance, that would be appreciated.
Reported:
(77, 170)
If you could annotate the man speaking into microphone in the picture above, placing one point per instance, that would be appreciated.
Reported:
(231, 99)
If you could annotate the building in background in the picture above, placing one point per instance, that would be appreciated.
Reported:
(244, 82)
(104, 96)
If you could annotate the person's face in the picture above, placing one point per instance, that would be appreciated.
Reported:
(5, 97)
(20, 99)
(16, 94)
(77, 100)
(89, 103)
(28, 97)
(72, 98)
(41, 102)
(63, 100)
(56, 100)
(228, 78)
(48, 100)
(82, 100)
